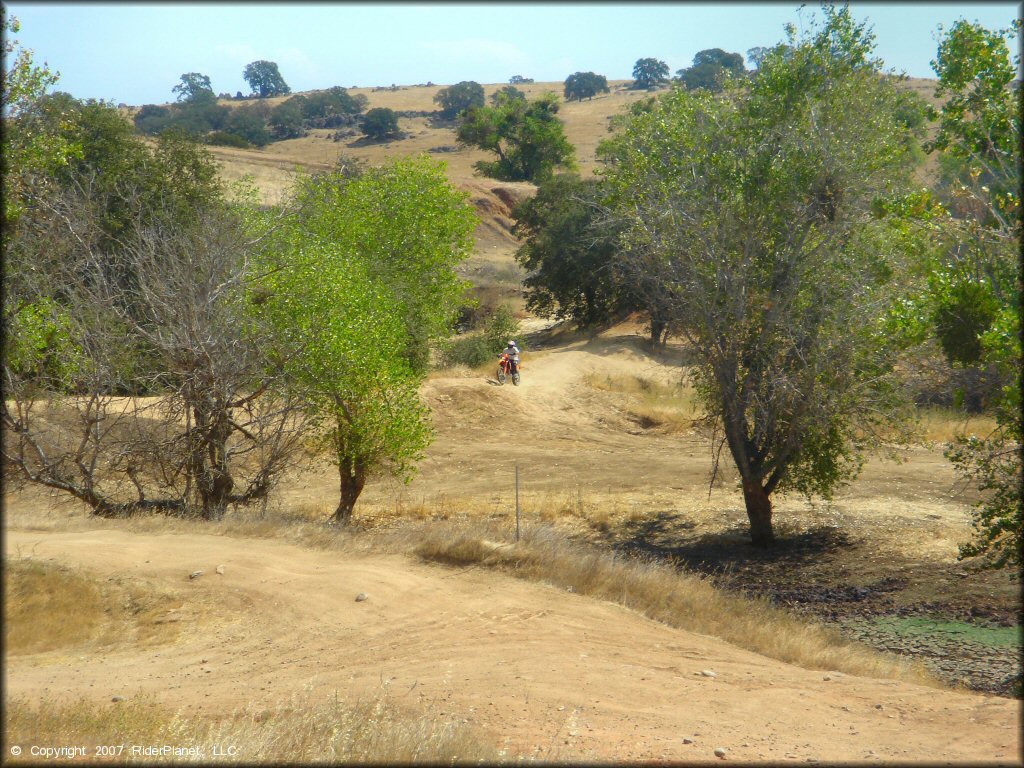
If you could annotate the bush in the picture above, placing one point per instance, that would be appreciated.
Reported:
(501, 327)
(471, 351)
(152, 119)
(483, 347)
(225, 139)
(250, 124)
(380, 124)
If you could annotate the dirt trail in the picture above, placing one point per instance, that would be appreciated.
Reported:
(549, 673)
(545, 672)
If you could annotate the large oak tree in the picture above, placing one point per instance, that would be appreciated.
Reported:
(752, 209)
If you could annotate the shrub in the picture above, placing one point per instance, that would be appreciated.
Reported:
(477, 349)
(225, 139)
(501, 327)
(380, 123)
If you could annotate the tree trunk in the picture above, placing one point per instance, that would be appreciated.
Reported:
(759, 512)
(216, 483)
(353, 478)
(658, 335)
(973, 399)
(209, 458)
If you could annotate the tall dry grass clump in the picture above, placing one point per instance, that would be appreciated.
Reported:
(672, 408)
(662, 593)
(330, 731)
(941, 425)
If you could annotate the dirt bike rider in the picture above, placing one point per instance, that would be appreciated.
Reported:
(513, 355)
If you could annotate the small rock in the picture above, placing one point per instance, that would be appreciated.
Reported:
(878, 706)
(195, 574)
(220, 569)
(117, 698)
(361, 597)
(687, 741)
(720, 752)
(708, 673)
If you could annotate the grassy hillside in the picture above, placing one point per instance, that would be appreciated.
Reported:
(492, 268)
(586, 124)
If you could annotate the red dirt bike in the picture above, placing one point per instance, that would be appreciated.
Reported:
(505, 369)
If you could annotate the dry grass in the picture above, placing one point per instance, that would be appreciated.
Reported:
(664, 594)
(331, 731)
(671, 408)
(586, 123)
(50, 607)
(941, 425)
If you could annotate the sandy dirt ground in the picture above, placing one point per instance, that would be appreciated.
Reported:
(547, 673)
(544, 672)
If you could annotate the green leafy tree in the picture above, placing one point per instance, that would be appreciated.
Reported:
(265, 79)
(32, 147)
(520, 80)
(410, 229)
(286, 120)
(341, 337)
(199, 116)
(584, 85)
(506, 92)
(250, 123)
(527, 137)
(193, 85)
(752, 213)
(114, 188)
(151, 119)
(332, 108)
(709, 67)
(127, 179)
(648, 73)
(756, 55)
(976, 309)
(380, 124)
(456, 99)
(569, 252)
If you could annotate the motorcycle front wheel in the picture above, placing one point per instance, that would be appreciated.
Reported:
(501, 376)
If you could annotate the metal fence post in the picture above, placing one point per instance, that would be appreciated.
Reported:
(517, 501)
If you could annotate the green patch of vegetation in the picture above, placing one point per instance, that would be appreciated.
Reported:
(922, 626)
(917, 626)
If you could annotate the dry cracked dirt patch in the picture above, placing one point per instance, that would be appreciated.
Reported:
(543, 672)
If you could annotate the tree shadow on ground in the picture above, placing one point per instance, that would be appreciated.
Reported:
(667, 536)
(367, 141)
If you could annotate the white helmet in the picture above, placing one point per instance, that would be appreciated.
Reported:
(511, 343)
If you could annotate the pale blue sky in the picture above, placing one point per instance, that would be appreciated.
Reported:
(135, 53)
